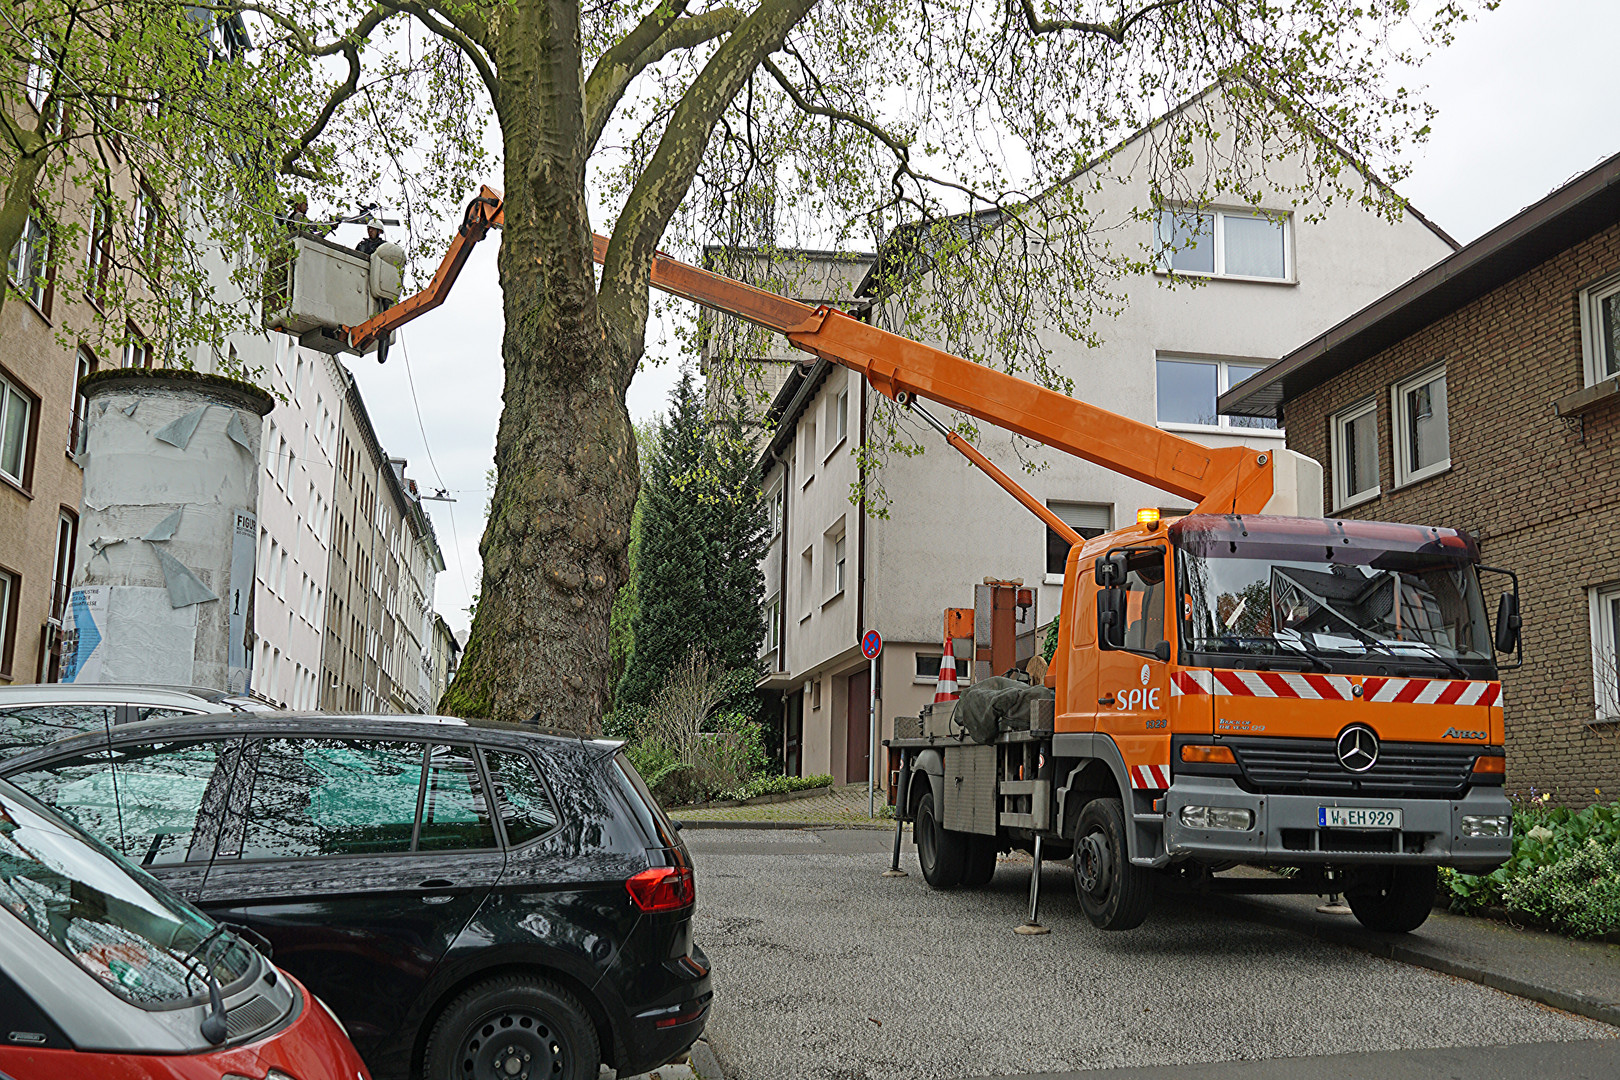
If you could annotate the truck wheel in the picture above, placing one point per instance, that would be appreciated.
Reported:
(941, 852)
(1393, 900)
(980, 866)
(1114, 894)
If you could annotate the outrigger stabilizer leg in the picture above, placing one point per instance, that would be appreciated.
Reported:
(1033, 926)
(894, 865)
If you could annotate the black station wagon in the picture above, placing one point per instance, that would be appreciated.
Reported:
(474, 900)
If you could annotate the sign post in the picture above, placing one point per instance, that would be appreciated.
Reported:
(871, 646)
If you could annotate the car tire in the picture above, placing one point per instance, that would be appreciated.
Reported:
(1393, 900)
(530, 1020)
(1114, 894)
(980, 865)
(941, 852)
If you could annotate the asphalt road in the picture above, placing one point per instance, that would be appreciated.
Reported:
(825, 970)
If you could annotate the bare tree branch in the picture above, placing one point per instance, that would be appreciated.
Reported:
(618, 67)
(452, 31)
(1114, 31)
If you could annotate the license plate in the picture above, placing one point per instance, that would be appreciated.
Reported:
(1355, 817)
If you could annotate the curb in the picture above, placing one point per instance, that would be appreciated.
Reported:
(704, 1062)
(1391, 948)
(884, 826)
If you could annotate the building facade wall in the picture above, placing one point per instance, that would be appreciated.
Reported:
(1540, 493)
(947, 526)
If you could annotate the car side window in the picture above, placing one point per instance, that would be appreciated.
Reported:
(165, 792)
(145, 801)
(25, 727)
(159, 712)
(314, 797)
(1144, 600)
(520, 796)
(455, 812)
(81, 789)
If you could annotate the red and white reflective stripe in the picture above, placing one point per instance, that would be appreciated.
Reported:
(1155, 777)
(1431, 691)
(1272, 684)
(1314, 687)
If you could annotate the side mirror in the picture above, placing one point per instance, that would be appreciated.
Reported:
(1508, 623)
(1110, 570)
(1161, 651)
(1111, 617)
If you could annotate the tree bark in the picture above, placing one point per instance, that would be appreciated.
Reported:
(19, 201)
(554, 548)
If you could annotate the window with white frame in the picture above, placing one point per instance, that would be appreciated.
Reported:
(30, 261)
(927, 670)
(16, 408)
(773, 626)
(777, 506)
(807, 579)
(833, 567)
(146, 222)
(841, 417)
(137, 350)
(1422, 430)
(1600, 329)
(1606, 650)
(1088, 519)
(9, 587)
(86, 364)
(1355, 454)
(37, 80)
(808, 450)
(98, 250)
(1189, 385)
(1223, 243)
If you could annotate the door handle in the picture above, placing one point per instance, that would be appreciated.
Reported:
(1109, 700)
(435, 883)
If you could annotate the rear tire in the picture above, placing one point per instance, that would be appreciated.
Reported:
(530, 1021)
(1114, 894)
(942, 853)
(1394, 899)
(980, 866)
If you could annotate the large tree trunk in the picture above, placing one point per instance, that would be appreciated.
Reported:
(19, 200)
(559, 525)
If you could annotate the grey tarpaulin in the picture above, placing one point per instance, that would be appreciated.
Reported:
(237, 433)
(164, 530)
(185, 588)
(178, 432)
(991, 706)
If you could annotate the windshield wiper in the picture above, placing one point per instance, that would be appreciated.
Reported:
(1433, 655)
(214, 1027)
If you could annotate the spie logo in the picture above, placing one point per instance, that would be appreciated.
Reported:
(1146, 675)
(1142, 698)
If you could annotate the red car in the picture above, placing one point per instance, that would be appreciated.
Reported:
(104, 973)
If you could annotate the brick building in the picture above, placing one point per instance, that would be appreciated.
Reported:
(1485, 394)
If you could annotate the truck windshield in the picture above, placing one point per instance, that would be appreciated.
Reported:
(1361, 603)
(111, 919)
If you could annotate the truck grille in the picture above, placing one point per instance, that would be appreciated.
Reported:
(1311, 767)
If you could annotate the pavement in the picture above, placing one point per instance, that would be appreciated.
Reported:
(824, 969)
(843, 806)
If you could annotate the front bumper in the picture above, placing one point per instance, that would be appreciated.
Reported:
(1286, 829)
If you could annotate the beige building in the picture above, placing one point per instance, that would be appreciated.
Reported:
(1268, 279)
(381, 564)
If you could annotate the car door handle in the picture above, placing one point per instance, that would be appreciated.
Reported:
(435, 883)
(1109, 700)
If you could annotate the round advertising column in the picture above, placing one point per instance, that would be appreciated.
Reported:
(168, 530)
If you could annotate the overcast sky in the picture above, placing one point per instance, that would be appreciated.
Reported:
(1525, 99)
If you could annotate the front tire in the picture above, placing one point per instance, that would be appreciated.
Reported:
(942, 853)
(1114, 894)
(532, 1023)
(1393, 900)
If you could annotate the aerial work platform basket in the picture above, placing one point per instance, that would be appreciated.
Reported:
(322, 289)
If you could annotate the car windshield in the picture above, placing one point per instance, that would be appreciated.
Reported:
(1361, 603)
(111, 919)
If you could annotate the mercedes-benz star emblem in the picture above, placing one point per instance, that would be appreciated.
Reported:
(1358, 748)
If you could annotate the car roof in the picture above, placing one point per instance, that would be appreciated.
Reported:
(351, 725)
(196, 697)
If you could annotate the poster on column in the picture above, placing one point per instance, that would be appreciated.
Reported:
(244, 548)
(84, 627)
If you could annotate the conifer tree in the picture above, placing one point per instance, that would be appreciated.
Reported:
(698, 579)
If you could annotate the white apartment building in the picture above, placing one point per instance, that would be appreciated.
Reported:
(1268, 282)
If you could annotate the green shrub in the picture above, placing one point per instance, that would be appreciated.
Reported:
(1564, 870)
(777, 785)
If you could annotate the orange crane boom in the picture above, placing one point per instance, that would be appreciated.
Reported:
(1228, 480)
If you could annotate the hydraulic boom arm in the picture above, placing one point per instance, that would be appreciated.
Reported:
(1230, 480)
(1227, 480)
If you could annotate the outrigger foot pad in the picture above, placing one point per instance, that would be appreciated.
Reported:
(1031, 929)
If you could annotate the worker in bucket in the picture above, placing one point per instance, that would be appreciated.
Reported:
(374, 237)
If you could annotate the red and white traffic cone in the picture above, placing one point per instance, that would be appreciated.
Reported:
(947, 678)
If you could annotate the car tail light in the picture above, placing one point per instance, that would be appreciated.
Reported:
(680, 1018)
(662, 888)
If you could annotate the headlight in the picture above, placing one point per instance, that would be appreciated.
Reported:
(1216, 817)
(1487, 825)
